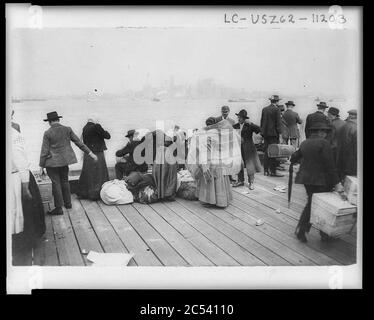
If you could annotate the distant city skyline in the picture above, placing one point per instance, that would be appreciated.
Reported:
(114, 61)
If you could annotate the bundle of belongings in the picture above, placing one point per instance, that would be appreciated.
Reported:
(186, 185)
(142, 187)
(115, 192)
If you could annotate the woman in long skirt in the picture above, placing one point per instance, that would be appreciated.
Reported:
(213, 156)
(94, 173)
(164, 170)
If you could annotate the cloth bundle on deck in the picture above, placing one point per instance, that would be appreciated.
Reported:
(186, 186)
(142, 186)
(115, 192)
(217, 147)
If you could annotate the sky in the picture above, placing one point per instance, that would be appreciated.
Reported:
(74, 61)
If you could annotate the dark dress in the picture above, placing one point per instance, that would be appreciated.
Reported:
(248, 150)
(93, 174)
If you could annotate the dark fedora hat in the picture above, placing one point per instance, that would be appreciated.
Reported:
(274, 97)
(242, 113)
(320, 126)
(322, 104)
(333, 111)
(52, 116)
(130, 133)
(289, 103)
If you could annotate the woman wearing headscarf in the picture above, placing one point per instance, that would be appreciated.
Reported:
(213, 156)
(94, 173)
(164, 169)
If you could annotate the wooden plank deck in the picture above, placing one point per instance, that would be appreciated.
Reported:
(185, 233)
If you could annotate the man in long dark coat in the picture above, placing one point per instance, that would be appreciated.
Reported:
(292, 119)
(271, 128)
(125, 156)
(317, 172)
(347, 147)
(316, 117)
(337, 124)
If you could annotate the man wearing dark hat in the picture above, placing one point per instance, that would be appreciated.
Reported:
(125, 158)
(56, 155)
(225, 111)
(271, 128)
(318, 116)
(291, 119)
(317, 172)
(337, 124)
(248, 149)
(346, 160)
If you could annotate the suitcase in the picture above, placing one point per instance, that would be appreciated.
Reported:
(350, 189)
(45, 188)
(280, 150)
(331, 214)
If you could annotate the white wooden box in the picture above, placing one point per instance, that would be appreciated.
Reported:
(331, 214)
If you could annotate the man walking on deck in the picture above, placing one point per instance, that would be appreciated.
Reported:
(271, 128)
(56, 155)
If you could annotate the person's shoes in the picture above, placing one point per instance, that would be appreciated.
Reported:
(238, 184)
(68, 206)
(250, 186)
(325, 237)
(301, 237)
(55, 212)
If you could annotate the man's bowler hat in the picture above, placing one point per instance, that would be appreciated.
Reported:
(52, 116)
(322, 105)
(130, 133)
(289, 103)
(242, 113)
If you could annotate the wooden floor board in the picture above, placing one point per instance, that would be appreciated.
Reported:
(244, 240)
(167, 255)
(230, 247)
(193, 256)
(45, 251)
(206, 246)
(67, 246)
(108, 238)
(338, 250)
(143, 255)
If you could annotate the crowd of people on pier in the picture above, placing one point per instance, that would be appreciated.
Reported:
(214, 156)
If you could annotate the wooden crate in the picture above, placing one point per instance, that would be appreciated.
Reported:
(332, 215)
(280, 150)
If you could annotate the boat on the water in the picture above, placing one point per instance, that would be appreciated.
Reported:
(156, 99)
(241, 100)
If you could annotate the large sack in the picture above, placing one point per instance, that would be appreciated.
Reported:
(187, 190)
(147, 195)
(115, 192)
